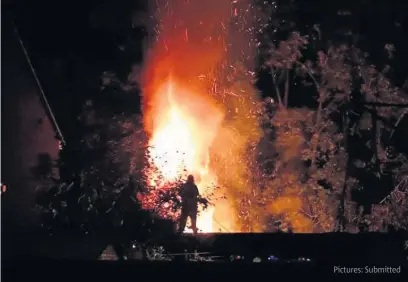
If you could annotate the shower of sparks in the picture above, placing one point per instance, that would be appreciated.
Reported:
(201, 110)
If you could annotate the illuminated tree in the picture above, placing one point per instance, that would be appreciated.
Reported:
(315, 163)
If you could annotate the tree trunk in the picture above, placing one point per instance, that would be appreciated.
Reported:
(374, 140)
(286, 97)
(317, 131)
(275, 82)
(341, 216)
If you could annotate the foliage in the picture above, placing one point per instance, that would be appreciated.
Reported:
(101, 182)
(312, 169)
(162, 198)
(392, 211)
(157, 254)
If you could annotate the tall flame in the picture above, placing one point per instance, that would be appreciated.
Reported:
(186, 113)
(181, 140)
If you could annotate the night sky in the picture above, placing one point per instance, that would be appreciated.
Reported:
(71, 43)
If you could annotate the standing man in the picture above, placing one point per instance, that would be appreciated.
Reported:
(189, 196)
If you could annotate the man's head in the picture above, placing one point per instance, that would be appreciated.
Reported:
(190, 179)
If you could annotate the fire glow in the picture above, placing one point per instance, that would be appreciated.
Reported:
(188, 73)
(181, 141)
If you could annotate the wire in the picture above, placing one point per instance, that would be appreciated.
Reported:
(222, 226)
(44, 98)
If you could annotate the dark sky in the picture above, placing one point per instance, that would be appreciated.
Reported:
(72, 42)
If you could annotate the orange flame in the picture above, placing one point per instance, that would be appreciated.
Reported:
(183, 121)
(181, 139)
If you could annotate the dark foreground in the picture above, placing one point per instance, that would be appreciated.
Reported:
(44, 270)
(328, 246)
(74, 257)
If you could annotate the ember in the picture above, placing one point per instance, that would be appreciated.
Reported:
(181, 141)
(189, 73)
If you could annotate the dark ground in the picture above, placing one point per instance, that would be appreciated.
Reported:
(374, 247)
(137, 271)
(73, 258)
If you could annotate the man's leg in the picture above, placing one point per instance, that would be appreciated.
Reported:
(193, 217)
(183, 221)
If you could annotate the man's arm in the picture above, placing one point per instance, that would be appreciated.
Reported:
(182, 190)
(197, 191)
(202, 200)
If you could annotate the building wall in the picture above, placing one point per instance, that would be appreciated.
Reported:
(28, 140)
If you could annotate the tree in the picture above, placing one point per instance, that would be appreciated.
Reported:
(99, 166)
(316, 141)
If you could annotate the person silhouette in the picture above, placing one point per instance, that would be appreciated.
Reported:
(189, 196)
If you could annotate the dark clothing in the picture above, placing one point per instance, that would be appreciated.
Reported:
(189, 195)
(185, 213)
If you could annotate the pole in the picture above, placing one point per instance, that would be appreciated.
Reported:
(43, 97)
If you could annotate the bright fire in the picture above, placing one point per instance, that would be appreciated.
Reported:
(192, 61)
(184, 130)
